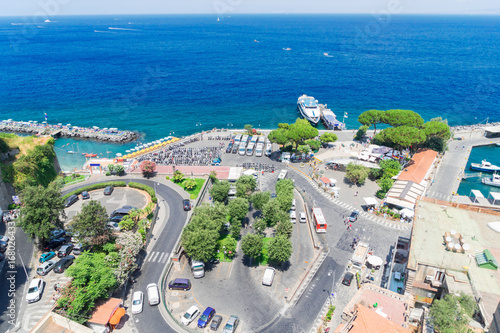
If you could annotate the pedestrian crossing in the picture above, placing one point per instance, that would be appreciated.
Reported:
(159, 257)
(439, 196)
(369, 216)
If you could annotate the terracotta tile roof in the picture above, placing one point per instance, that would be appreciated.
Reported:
(368, 321)
(418, 166)
(103, 312)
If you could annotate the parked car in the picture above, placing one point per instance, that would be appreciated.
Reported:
(190, 315)
(293, 216)
(347, 279)
(116, 219)
(229, 148)
(3, 248)
(124, 211)
(186, 204)
(71, 200)
(65, 250)
(137, 302)
(206, 316)
(79, 248)
(57, 233)
(231, 324)
(85, 195)
(55, 243)
(108, 190)
(4, 239)
(302, 217)
(113, 226)
(153, 294)
(46, 267)
(35, 290)
(294, 204)
(46, 256)
(216, 321)
(64, 263)
(354, 216)
(180, 284)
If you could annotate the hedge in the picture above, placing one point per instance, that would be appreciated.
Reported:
(95, 187)
(146, 188)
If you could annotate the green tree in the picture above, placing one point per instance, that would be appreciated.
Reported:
(271, 212)
(229, 244)
(92, 279)
(304, 149)
(200, 244)
(361, 132)
(279, 136)
(314, 144)
(356, 173)
(398, 118)
(437, 128)
(252, 245)
(284, 228)
(280, 249)
(284, 186)
(403, 136)
(238, 208)
(190, 184)
(91, 223)
(220, 191)
(178, 176)
(245, 185)
(390, 168)
(119, 169)
(41, 209)
(451, 314)
(213, 176)
(285, 200)
(259, 225)
(34, 168)
(328, 137)
(248, 128)
(435, 143)
(284, 125)
(235, 229)
(259, 199)
(385, 184)
(301, 131)
(372, 117)
(126, 223)
(148, 168)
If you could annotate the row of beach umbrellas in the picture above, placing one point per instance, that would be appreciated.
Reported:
(149, 147)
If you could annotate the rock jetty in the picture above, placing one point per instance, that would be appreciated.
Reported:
(68, 131)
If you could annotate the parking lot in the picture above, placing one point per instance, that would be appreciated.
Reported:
(119, 197)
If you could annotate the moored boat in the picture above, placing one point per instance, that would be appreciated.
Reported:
(494, 180)
(485, 166)
(309, 108)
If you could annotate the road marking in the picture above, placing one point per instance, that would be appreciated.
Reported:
(156, 256)
(164, 259)
(161, 257)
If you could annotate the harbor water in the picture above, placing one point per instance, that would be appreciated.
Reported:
(492, 154)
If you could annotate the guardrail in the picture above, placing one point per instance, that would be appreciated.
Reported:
(151, 227)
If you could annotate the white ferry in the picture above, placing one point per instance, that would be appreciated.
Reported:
(309, 108)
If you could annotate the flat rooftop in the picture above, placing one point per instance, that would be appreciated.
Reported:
(427, 245)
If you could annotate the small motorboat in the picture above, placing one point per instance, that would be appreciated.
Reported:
(90, 155)
(70, 151)
(485, 166)
(494, 180)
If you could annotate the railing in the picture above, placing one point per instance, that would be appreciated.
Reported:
(151, 227)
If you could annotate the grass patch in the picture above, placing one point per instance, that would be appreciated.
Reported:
(70, 179)
(264, 257)
(220, 254)
(193, 194)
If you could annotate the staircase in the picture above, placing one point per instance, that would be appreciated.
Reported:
(409, 283)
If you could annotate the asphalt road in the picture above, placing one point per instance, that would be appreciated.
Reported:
(12, 301)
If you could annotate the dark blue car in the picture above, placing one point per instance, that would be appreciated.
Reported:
(205, 318)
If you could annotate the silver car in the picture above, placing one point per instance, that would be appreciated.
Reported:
(231, 324)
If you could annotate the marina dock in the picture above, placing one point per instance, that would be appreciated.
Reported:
(329, 119)
(68, 131)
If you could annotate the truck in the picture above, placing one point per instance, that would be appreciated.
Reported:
(359, 256)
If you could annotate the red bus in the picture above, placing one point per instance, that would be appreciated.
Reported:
(319, 220)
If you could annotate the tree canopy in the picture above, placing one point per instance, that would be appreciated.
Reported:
(397, 118)
(297, 133)
(34, 168)
(402, 136)
(280, 249)
(273, 214)
(91, 223)
(259, 199)
(220, 191)
(251, 245)
(328, 137)
(41, 210)
(437, 128)
(372, 117)
(451, 314)
(148, 168)
(245, 185)
(238, 208)
(356, 173)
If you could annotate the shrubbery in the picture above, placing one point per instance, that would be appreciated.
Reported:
(146, 188)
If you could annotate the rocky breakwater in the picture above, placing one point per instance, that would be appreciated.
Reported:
(68, 131)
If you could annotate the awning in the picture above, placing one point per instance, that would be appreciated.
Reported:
(325, 180)
(115, 319)
(407, 212)
(400, 203)
(370, 201)
(375, 261)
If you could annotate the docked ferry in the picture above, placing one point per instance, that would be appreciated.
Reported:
(309, 108)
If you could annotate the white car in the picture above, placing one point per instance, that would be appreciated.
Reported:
(137, 302)
(190, 315)
(293, 216)
(35, 291)
(293, 204)
(302, 217)
(4, 239)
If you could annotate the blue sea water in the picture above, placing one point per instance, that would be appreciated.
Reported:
(492, 154)
(165, 75)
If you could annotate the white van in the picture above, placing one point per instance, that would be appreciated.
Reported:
(250, 147)
(258, 149)
(198, 269)
(268, 277)
(254, 139)
(153, 294)
(244, 139)
(262, 139)
(282, 174)
(242, 150)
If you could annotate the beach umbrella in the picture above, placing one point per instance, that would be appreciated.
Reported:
(44, 122)
(127, 151)
(119, 155)
(60, 124)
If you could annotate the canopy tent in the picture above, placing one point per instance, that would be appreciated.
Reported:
(407, 213)
(249, 172)
(375, 261)
(371, 201)
(404, 194)
(475, 194)
(495, 196)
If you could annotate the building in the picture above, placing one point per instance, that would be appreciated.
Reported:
(106, 314)
(381, 307)
(442, 258)
(413, 180)
(53, 322)
(492, 132)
